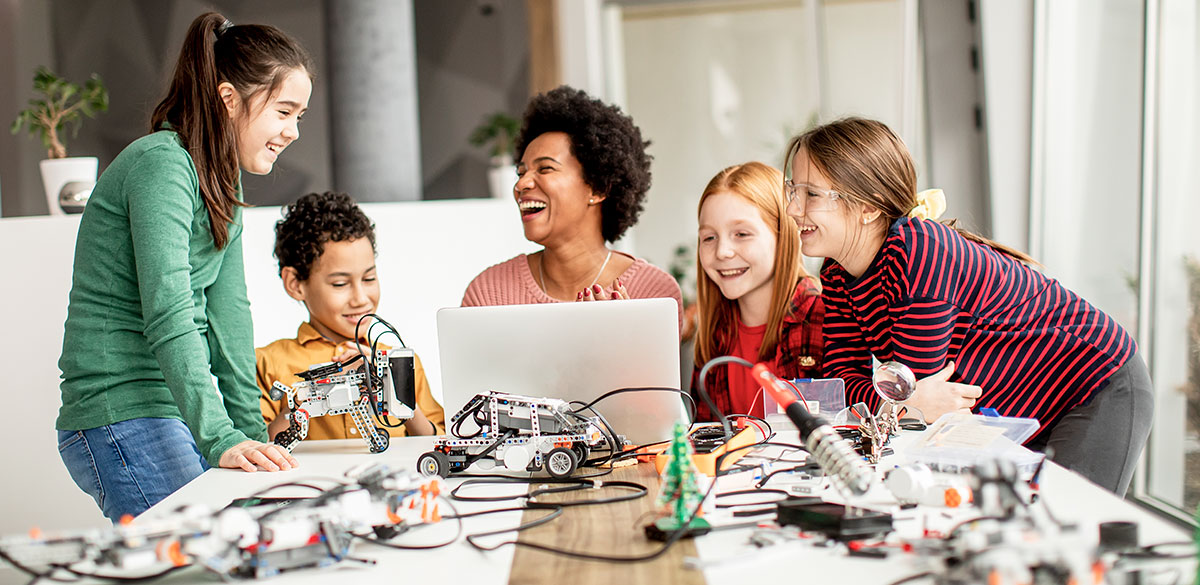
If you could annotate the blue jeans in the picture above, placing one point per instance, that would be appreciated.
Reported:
(131, 465)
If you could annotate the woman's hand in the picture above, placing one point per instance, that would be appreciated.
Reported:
(936, 395)
(598, 293)
(251, 455)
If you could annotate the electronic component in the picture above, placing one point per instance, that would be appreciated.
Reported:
(833, 520)
(325, 391)
(916, 484)
(824, 444)
(519, 433)
(709, 444)
(238, 542)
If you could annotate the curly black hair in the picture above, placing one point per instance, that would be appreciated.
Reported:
(311, 221)
(607, 144)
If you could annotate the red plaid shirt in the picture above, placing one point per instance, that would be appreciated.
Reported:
(797, 355)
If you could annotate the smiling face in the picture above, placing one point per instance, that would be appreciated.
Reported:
(554, 200)
(737, 250)
(827, 228)
(270, 122)
(340, 289)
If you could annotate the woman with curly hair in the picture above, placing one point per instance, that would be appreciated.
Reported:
(583, 173)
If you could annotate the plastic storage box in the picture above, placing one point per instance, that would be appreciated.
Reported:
(957, 441)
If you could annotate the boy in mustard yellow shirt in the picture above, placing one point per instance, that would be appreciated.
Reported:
(325, 246)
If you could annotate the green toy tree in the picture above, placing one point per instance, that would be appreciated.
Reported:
(681, 494)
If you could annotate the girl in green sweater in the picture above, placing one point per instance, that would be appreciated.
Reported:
(158, 298)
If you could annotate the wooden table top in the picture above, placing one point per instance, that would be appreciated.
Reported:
(609, 529)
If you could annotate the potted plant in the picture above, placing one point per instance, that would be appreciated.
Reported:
(497, 132)
(61, 105)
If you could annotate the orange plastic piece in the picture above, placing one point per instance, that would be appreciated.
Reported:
(35, 533)
(706, 463)
(126, 520)
(953, 499)
(175, 553)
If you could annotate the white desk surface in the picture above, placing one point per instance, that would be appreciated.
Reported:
(727, 556)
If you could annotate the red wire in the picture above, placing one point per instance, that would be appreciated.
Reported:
(803, 400)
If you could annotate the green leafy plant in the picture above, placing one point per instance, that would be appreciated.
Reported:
(497, 132)
(682, 269)
(60, 105)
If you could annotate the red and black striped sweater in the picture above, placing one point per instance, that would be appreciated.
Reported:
(931, 296)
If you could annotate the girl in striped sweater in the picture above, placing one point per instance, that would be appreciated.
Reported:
(976, 324)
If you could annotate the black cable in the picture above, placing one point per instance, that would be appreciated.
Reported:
(610, 434)
(33, 572)
(807, 466)
(639, 490)
(555, 512)
(691, 402)
(457, 534)
(913, 577)
(769, 431)
(674, 536)
(300, 484)
(783, 493)
(1150, 551)
(123, 579)
(488, 450)
(725, 359)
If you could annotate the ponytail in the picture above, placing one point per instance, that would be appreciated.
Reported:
(252, 58)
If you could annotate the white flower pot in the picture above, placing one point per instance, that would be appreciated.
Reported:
(57, 172)
(502, 176)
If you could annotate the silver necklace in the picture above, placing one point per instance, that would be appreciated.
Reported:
(542, 276)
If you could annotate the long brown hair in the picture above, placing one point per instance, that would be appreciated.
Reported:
(762, 186)
(869, 165)
(253, 58)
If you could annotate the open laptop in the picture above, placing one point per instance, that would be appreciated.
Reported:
(571, 351)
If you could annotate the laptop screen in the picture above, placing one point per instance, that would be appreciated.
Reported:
(571, 351)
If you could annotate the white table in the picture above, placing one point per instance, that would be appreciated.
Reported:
(726, 556)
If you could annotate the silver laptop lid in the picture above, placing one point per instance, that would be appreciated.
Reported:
(573, 351)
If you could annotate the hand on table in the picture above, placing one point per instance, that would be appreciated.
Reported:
(251, 455)
(936, 395)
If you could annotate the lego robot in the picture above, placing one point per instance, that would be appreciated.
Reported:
(518, 433)
(373, 390)
(238, 543)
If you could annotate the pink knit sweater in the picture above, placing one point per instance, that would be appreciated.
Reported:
(511, 283)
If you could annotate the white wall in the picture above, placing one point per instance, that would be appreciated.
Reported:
(428, 252)
(713, 85)
(1006, 57)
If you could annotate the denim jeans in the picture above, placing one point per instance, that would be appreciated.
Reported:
(131, 465)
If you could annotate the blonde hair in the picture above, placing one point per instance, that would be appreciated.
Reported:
(762, 186)
(869, 165)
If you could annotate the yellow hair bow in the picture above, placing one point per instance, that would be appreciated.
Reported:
(931, 204)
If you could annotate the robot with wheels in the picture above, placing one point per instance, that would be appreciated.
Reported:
(518, 433)
(238, 543)
(324, 391)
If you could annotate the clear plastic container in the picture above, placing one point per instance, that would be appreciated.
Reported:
(824, 398)
(957, 441)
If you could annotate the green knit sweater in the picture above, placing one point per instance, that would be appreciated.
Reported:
(156, 310)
